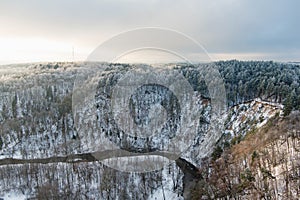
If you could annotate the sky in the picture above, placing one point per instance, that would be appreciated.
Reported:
(68, 30)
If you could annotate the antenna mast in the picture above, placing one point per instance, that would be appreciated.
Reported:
(73, 55)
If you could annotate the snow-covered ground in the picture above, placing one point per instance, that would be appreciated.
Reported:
(166, 190)
(13, 195)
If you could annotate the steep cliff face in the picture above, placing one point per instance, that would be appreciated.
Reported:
(248, 117)
(38, 127)
(263, 165)
(241, 121)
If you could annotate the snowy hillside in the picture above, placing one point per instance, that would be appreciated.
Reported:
(49, 142)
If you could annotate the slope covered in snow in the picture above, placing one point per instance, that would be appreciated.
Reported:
(37, 121)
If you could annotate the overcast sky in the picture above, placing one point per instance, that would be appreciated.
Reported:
(38, 30)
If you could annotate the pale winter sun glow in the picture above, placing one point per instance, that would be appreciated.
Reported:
(24, 50)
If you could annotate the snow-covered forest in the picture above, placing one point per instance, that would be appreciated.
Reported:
(45, 155)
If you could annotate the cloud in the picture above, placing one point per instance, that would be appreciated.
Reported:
(222, 26)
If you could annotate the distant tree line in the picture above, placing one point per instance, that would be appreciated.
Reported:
(272, 81)
(247, 80)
